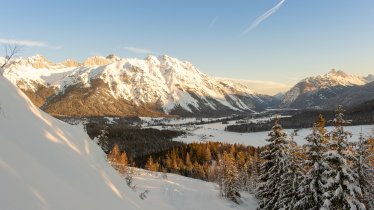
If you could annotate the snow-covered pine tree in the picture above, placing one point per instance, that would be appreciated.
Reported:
(365, 171)
(311, 187)
(291, 178)
(273, 168)
(341, 188)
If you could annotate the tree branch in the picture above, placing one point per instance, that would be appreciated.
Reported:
(10, 50)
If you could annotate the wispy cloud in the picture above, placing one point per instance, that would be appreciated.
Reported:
(138, 50)
(264, 16)
(28, 43)
(212, 22)
(261, 86)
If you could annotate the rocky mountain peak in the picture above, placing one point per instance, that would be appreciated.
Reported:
(38, 61)
(336, 73)
(113, 57)
(70, 63)
(96, 61)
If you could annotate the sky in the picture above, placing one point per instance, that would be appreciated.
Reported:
(268, 44)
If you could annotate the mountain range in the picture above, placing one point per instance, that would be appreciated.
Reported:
(327, 91)
(163, 85)
(105, 86)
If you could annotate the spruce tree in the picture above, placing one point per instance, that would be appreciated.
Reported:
(365, 171)
(311, 188)
(291, 178)
(273, 168)
(341, 188)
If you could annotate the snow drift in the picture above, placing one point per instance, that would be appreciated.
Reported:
(48, 164)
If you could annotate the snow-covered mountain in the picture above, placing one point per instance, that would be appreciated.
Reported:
(48, 164)
(121, 86)
(315, 92)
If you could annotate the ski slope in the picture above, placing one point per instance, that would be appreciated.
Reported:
(48, 164)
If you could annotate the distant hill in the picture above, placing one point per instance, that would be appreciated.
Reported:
(326, 91)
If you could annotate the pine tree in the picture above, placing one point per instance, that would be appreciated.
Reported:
(291, 178)
(365, 171)
(273, 168)
(229, 178)
(311, 189)
(342, 189)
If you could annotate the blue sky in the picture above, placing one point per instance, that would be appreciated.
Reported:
(281, 41)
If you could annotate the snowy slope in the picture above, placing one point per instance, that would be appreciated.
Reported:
(313, 91)
(163, 83)
(48, 164)
(183, 193)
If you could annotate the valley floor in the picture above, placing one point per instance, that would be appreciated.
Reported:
(216, 132)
